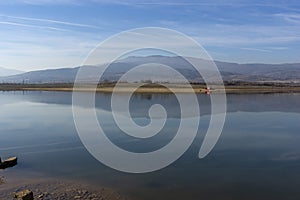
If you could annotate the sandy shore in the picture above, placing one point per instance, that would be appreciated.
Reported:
(48, 189)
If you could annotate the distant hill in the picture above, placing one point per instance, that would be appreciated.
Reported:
(43, 76)
(229, 71)
(9, 72)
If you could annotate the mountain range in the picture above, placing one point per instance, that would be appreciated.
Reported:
(254, 72)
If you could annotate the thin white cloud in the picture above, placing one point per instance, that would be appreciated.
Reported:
(50, 21)
(34, 49)
(42, 2)
(31, 26)
(256, 49)
(218, 40)
(289, 17)
(226, 34)
(238, 35)
(277, 48)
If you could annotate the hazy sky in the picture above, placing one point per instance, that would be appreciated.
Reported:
(39, 34)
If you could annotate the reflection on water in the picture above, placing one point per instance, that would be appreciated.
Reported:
(257, 156)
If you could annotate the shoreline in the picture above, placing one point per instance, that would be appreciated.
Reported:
(156, 88)
(229, 90)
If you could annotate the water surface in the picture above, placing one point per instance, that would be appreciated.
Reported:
(257, 156)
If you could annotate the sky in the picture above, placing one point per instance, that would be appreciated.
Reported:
(43, 34)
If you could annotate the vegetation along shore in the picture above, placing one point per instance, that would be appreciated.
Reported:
(230, 87)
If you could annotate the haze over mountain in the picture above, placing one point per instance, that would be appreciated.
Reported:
(9, 72)
(229, 71)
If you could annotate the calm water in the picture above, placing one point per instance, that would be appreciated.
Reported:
(257, 156)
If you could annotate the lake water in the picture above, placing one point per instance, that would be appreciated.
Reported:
(256, 157)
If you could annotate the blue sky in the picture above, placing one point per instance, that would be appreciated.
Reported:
(39, 34)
